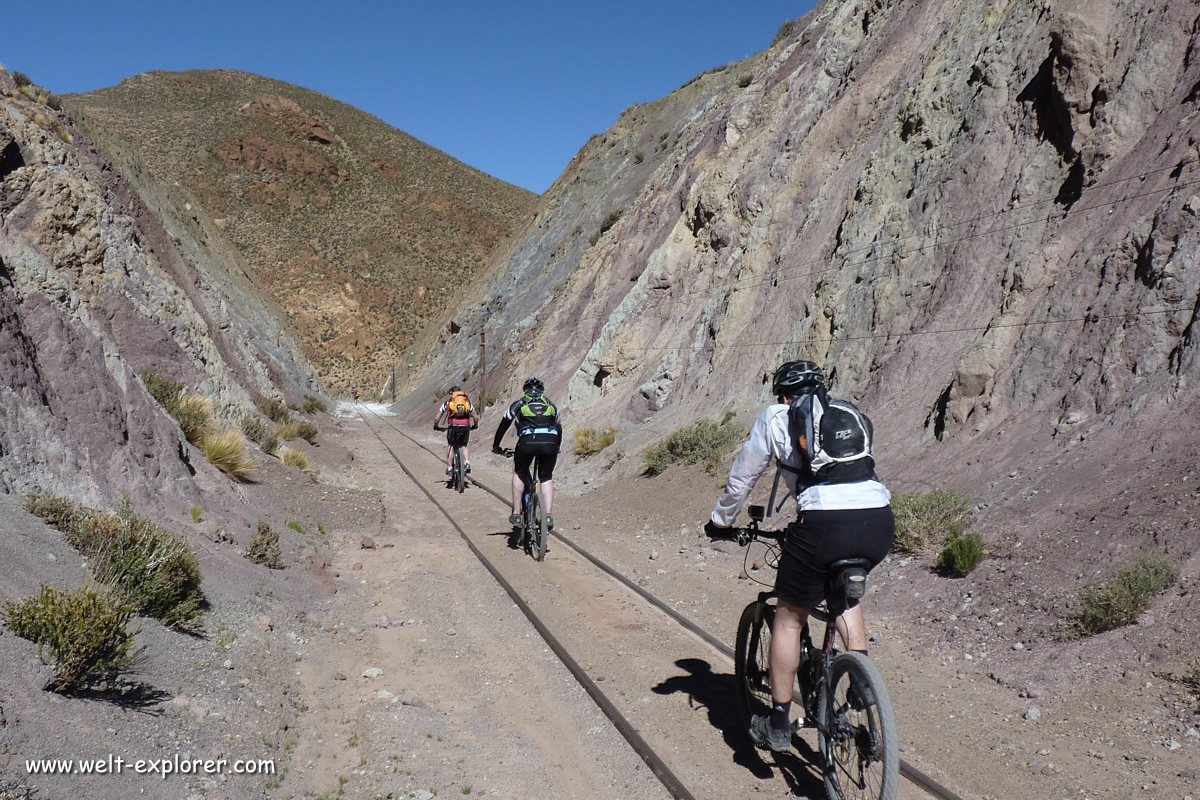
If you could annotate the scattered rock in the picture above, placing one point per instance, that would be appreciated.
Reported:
(264, 623)
(367, 543)
(1033, 714)
(228, 663)
(338, 676)
(383, 622)
(372, 672)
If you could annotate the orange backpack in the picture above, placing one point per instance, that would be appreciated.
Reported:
(458, 405)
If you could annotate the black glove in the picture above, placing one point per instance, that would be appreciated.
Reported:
(475, 426)
(714, 531)
(496, 449)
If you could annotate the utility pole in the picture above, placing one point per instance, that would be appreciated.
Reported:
(482, 368)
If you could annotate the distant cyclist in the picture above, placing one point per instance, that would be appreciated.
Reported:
(842, 512)
(539, 434)
(460, 419)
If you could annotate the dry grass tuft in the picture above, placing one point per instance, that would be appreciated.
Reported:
(226, 450)
(297, 459)
(589, 441)
(194, 413)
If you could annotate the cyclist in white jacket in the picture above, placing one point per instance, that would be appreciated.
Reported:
(846, 515)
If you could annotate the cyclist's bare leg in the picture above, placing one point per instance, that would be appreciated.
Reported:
(449, 456)
(548, 496)
(853, 628)
(466, 454)
(785, 649)
(518, 488)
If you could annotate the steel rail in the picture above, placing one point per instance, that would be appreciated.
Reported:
(640, 746)
(907, 770)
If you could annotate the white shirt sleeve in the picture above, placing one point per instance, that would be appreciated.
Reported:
(768, 437)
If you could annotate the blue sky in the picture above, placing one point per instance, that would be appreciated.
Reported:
(511, 88)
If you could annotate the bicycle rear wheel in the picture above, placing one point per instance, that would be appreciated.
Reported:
(538, 530)
(751, 666)
(460, 479)
(857, 733)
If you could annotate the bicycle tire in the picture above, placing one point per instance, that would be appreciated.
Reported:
(858, 739)
(460, 479)
(751, 665)
(537, 527)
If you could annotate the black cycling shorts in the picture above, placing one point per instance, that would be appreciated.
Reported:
(546, 454)
(819, 538)
(458, 435)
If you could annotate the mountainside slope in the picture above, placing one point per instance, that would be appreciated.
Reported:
(980, 217)
(359, 231)
(103, 277)
(828, 204)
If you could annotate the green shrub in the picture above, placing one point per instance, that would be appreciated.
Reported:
(294, 525)
(152, 568)
(82, 634)
(260, 433)
(57, 512)
(166, 391)
(274, 409)
(307, 431)
(929, 519)
(589, 441)
(21, 79)
(1121, 599)
(961, 554)
(313, 404)
(226, 450)
(606, 224)
(288, 431)
(264, 548)
(197, 513)
(785, 30)
(703, 441)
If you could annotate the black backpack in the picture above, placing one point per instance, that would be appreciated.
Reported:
(536, 413)
(833, 438)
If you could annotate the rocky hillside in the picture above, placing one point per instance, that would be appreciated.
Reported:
(360, 232)
(974, 214)
(980, 216)
(103, 277)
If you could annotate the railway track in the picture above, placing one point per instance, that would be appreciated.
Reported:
(658, 766)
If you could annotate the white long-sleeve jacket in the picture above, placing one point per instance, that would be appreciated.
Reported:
(770, 437)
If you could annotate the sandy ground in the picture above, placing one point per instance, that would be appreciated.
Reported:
(386, 662)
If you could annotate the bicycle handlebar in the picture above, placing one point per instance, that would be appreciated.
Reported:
(744, 536)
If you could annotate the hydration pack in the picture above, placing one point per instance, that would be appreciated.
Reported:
(833, 439)
(459, 405)
(536, 414)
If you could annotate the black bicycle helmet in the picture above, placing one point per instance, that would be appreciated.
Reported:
(797, 377)
(533, 385)
(455, 388)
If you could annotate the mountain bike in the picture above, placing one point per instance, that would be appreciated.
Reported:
(842, 695)
(534, 530)
(458, 476)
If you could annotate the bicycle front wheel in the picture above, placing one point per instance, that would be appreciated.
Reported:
(857, 735)
(460, 479)
(539, 531)
(751, 666)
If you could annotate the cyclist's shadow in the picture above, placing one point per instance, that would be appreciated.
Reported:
(717, 693)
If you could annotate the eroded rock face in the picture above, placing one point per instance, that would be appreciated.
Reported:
(97, 286)
(976, 215)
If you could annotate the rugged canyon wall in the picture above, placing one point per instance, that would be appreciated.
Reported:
(104, 275)
(980, 216)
